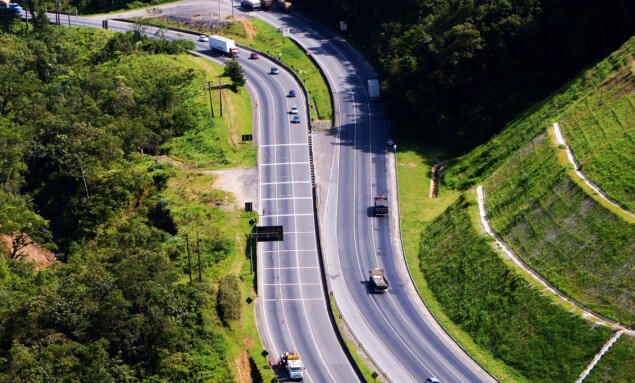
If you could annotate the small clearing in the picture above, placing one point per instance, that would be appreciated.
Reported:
(33, 252)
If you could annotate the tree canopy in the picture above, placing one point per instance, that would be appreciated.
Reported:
(454, 72)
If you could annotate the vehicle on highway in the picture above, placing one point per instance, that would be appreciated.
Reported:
(250, 4)
(275, 70)
(291, 93)
(381, 206)
(433, 380)
(295, 119)
(254, 56)
(224, 45)
(377, 281)
(203, 38)
(294, 110)
(390, 142)
(373, 90)
(292, 365)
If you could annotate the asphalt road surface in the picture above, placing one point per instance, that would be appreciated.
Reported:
(395, 329)
(291, 293)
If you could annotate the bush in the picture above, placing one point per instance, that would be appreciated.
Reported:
(229, 299)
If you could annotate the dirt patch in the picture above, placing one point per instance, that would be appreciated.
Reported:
(243, 366)
(243, 369)
(250, 28)
(33, 252)
(409, 165)
(241, 182)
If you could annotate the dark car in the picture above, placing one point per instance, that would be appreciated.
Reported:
(292, 93)
(274, 70)
(254, 56)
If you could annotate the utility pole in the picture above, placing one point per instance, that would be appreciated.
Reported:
(200, 267)
(220, 96)
(189, 259)
(209, 90)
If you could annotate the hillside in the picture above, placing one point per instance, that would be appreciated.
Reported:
(554, 223)
(84, 116)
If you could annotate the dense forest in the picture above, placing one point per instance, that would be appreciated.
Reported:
(454, 72)
(80, 110)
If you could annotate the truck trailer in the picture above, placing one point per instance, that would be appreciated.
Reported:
(377, 281)
(291, 363)
(381, 206)
(373, 90)
(224, 45)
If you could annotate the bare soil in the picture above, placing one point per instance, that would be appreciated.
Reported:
(33, 252)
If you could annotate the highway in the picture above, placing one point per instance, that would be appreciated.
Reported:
(291, 300)
(395, 329)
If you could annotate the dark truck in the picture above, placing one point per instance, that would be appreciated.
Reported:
(381, 206)
(377, 281)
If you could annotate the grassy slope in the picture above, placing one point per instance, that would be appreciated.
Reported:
(600, 126)
(580, 247)
(266, 38)
(192, 200)
(617, 365)
(503, 314)
(570, 105)
(417, 211)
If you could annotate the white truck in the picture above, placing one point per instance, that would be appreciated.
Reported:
(291, 363)
(250, 4)
(224, 45)
(373, 90)
(378, 282)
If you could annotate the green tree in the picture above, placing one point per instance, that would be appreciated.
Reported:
(229, 298)
(235, 72)
(20, 223)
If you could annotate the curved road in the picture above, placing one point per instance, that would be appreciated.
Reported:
(395, 329)
(291, 293)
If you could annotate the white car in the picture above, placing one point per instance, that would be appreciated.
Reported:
(203, 38)
(294, 110)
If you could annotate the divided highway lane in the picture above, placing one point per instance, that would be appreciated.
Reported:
(395, 329)
(292, 301)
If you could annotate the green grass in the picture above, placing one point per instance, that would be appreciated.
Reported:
(579, 246)
(417, 211)
(596, 112)
(501, 312)
(600, 128)
(353, 349)
(216, 142)
(270, 40)
(617, 365)
(192, 201)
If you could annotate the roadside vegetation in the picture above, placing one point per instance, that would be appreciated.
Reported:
(582, 99)
(600, 126)
(453, 74)
(502, 313)
(617, 365)
(269, 40)
(88, 119)
(561, 232)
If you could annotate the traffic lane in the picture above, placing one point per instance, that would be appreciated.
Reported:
(377, 250)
